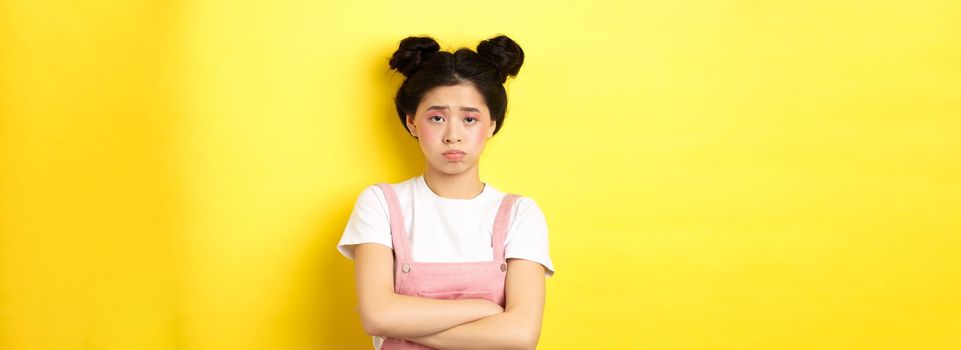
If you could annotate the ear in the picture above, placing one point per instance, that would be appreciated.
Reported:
(411, 126)
(490, 133)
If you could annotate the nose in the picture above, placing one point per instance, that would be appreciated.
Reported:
(449, 139)
(451, 135)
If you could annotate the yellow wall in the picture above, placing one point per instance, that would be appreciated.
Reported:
(715, 174)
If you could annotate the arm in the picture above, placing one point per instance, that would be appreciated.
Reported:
(518, 327)
(387, 314)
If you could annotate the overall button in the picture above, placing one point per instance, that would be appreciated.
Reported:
(406, 268)
(504, 267)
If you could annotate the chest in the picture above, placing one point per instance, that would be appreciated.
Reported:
(445, 233)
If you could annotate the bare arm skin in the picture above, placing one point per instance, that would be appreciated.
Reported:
(518, 327)
(386, 313)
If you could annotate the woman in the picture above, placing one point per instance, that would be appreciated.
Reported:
(443, 260)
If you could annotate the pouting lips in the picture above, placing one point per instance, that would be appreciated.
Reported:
(454, 156)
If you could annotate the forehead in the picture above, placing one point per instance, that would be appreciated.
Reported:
(456, 97)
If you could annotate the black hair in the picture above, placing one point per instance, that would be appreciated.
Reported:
(425, 67)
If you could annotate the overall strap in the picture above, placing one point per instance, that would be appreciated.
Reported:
(398, 231)
(501, 223)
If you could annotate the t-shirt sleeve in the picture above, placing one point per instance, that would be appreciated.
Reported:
(527, 235)
(369, 222)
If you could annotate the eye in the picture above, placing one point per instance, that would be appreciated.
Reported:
(437, 116)
(470, 119)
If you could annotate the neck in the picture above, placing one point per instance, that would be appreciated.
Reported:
(466, 185)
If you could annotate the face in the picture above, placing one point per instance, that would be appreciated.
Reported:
(452, 118)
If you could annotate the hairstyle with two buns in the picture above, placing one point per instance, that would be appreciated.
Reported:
(425, 67)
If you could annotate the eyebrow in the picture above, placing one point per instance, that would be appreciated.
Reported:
(465, 109)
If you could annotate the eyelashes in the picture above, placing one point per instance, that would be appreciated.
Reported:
(473, 120)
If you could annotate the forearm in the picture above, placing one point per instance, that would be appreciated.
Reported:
(404, 316)
(505, 330)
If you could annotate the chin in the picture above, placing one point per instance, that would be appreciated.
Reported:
(453, 168)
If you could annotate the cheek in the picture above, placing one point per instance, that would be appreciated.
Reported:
(426, 132)
(480, 134)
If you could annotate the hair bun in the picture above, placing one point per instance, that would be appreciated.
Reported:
(504, 53)
(412, 50)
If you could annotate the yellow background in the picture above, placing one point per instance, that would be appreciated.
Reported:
(715, 174)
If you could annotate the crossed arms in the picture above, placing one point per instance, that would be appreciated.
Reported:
(449, 324)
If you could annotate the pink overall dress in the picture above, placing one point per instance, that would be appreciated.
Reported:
(437, 280)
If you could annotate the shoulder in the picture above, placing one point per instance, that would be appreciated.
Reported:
(527, 207)
(527, 235)
(526, 218)
(374, 193)
(371, 194)
(371, 204)
(369, 222)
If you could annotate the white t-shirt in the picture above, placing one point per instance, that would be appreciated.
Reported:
(448, 229)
